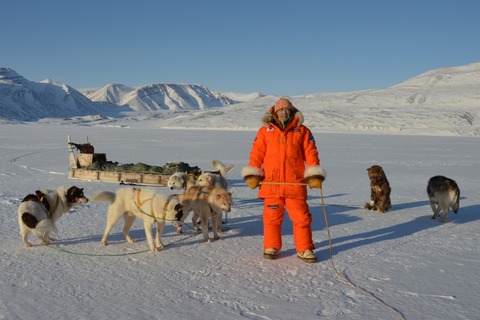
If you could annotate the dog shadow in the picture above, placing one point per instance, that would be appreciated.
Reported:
(408, 205)
(116, 237)
(407, 229)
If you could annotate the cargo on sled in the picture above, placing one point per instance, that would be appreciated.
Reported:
(86, 164)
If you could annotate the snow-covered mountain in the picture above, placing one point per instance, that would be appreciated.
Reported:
(443, 101)
(439, 102)
(24, 100)
(21, 99)
(160, 97)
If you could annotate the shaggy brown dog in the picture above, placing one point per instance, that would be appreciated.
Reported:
(380, 190)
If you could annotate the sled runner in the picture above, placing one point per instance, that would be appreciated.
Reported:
(86, 164)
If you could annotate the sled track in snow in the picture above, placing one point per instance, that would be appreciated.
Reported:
(28, 167)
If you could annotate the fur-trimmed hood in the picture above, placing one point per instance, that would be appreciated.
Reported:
(270, 117)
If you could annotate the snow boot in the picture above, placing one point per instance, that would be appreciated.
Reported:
(270, 254)
(307, 256)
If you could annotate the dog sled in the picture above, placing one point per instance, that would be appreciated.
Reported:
(86, 164)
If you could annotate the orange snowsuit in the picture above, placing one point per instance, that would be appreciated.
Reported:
(286, 155)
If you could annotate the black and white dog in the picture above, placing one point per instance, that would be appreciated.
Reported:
(37, 213)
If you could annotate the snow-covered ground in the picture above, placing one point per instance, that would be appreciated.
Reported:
(421, 267)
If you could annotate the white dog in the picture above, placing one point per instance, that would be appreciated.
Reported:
(37, 213)
(130, 203)
(207, 203)
(214, 178)
(181, 181)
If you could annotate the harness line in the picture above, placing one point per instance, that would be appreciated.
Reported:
(49, 209)
(165, 207)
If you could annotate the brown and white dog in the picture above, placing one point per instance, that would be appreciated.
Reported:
(216, 178)
(37, 213)
(379, 190)
(207, 203)
(183, 181)
(443, 194)
(131, 203)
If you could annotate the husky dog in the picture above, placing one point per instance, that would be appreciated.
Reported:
(443, 194)
(207, 203)
(181, 181)
(131, 203)
(37, 213)
(215, 178)
(379, 190)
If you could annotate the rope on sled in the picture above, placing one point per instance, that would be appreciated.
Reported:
(400, 315)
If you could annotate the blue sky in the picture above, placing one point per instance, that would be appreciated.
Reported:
(270, 46)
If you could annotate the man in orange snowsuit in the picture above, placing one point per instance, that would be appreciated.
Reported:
(284, 156)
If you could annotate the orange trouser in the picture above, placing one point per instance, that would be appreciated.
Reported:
(299, 213)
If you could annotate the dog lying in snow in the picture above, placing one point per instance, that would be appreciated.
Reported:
(207, 203)
(131, 203)
(37, 213)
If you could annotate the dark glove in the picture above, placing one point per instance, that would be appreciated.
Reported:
(315, 182)
(253, 181)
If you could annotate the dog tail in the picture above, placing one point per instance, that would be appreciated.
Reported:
(105, 196)
(218, 165)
